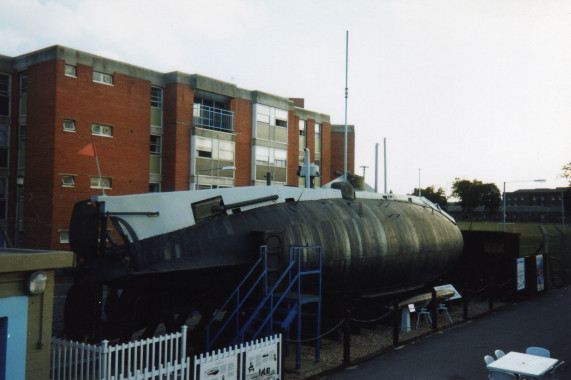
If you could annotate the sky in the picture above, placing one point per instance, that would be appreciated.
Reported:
(470, 89)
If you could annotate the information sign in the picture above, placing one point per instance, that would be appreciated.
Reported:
(221, 368)
(540, 275)
(520, 267)
(262, 363)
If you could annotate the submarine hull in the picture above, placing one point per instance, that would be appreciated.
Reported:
(194, 247)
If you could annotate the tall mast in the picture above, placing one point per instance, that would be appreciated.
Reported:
(346, 96)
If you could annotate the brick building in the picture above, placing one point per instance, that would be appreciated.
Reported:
(152, 131)
(536, 205)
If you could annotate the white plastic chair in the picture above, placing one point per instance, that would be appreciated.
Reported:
(488, 359)
(538, 351)
(553, 374)
(497, 375)
(423, 311)
(444, 309)
(499, 353)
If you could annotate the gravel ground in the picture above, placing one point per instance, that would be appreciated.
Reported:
(370, 342)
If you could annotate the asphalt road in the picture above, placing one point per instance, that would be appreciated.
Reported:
(458, 353)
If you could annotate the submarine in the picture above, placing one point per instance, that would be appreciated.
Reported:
(154, 258)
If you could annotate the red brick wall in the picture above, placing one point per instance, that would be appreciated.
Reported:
(51, 152)
(338, 152)
(177, 119)
(242, 109)
(310, 138)
(293, 149)
(39, 198)
(327, 173)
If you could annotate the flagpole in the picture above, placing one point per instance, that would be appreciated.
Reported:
(98, 169)
(346, 96)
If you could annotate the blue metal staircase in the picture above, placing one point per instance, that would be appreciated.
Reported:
(258, 308)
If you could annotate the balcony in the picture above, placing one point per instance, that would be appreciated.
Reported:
(213, 118)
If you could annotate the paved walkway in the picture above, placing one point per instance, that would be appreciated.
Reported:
(458, 353)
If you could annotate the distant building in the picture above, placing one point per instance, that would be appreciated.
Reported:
(535, 205)
(152, 132)
(526, 205)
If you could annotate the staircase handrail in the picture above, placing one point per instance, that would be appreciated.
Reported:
(270, 295)
(236, 293)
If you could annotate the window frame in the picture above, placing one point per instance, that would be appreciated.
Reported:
(6, 94)
(4, 199)
(61, 235)
(156, 146)
(99, 184)
(68, 176)
(154, 102)
(101, 79)
(7, 146)
(69, 121)
(74, 75)
(101, 127)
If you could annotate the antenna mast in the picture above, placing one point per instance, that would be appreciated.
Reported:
(346, 96)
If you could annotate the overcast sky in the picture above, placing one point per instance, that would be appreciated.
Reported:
(476, 89)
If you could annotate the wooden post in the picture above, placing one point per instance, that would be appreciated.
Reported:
(347, 337)
(492, 289)
(396, 327)
(433, 310)
(465, 302)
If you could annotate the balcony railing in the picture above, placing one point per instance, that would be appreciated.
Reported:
(213, 118)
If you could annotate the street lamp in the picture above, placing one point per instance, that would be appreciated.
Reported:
(211, 170)
(525, 180)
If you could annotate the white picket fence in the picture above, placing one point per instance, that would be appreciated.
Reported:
(260, 360)
(162, 357)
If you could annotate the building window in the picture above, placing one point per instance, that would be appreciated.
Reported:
(154, 187)
(22, 147)
(273, 161)
(155, 159)
(302, 146)
(4, 145)
(317, 161)
(102, 78)
(68, 180)
(23, 93)
(69, 125)
(156, 106)
(271, 123)
(101, 130)
(70, 71)
(3, 197)
(100, 182)
(4, 95)
(211, 114)
(212, 153)
(156, 97)
(64, 236)
(155, 144)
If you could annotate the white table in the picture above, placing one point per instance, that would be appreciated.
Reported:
(523, 364)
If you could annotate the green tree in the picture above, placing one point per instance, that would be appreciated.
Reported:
(567, 172)
(469, 193)
(435, 196)
(567, 195)
(491, 197)
(476, 193)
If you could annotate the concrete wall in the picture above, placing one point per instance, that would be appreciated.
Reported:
(27, 318)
